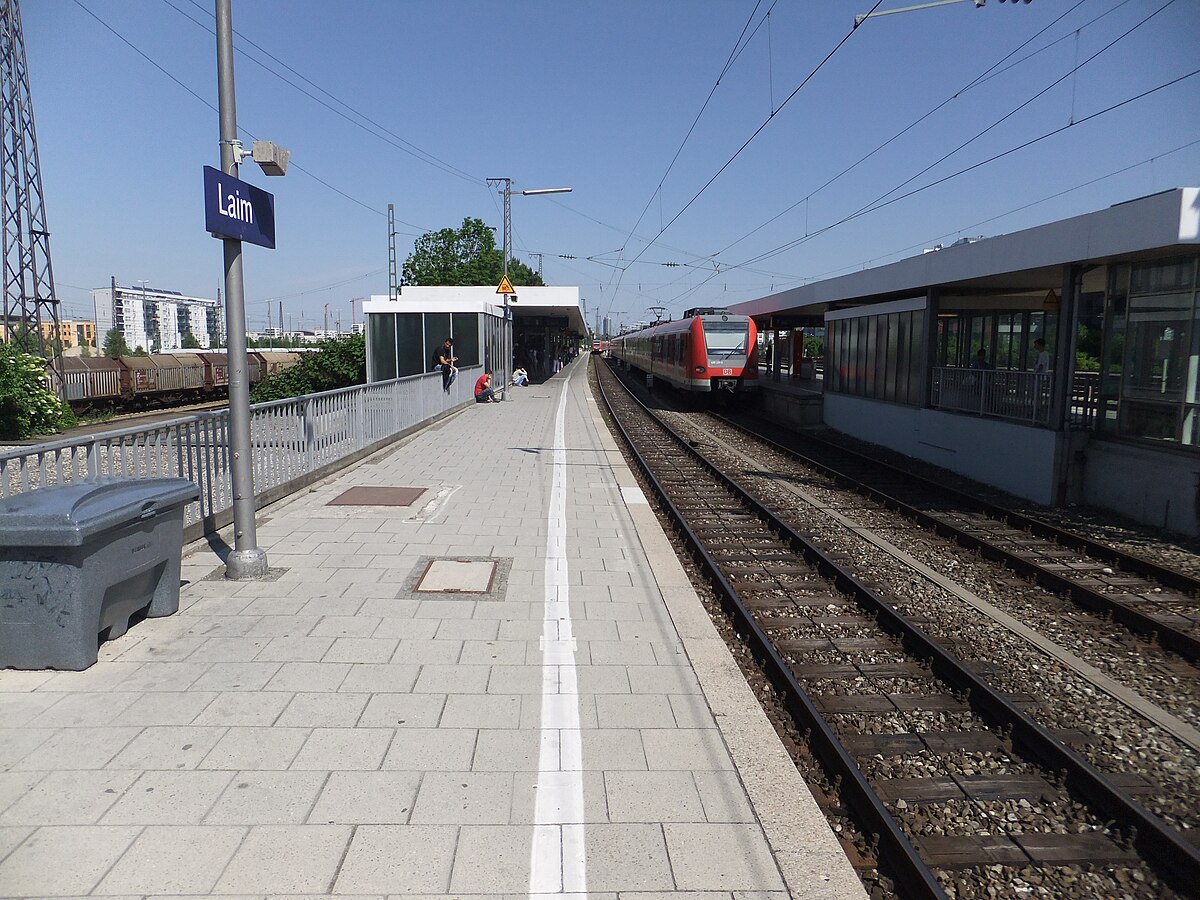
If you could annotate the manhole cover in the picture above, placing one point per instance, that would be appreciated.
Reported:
(377, 496)
(457, 575)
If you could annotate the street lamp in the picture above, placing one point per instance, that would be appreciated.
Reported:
(247, 561)
(507, 333)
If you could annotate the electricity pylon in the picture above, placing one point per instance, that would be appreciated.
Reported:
(30, 305)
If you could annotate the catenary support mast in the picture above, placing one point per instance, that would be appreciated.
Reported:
(30, 305)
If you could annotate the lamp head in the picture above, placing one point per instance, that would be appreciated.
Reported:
(272, 159)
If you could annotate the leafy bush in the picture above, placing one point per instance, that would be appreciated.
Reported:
(27, 406)
(337, 364)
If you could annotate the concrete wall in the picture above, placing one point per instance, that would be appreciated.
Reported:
(1159, 487)
(797, 410)
(1015, 458)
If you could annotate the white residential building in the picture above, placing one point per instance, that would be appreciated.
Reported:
(157, 320)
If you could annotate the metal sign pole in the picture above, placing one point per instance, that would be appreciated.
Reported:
(246, 561)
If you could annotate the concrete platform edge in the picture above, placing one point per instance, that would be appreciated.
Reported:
(785, 808)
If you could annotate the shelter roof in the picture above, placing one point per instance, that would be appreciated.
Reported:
(531, 301)
(1021, 261)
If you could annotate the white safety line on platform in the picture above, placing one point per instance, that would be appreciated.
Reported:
(557, 859)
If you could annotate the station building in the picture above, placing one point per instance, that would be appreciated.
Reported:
(402, 335)
(1060, 363)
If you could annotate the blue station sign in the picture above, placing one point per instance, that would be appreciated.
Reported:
(236, 210)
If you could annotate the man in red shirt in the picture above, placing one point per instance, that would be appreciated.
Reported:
(483, 388)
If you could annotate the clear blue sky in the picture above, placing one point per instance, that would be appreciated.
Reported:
(598, 96)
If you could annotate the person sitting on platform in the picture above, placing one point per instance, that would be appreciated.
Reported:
(520, 377)
(483, 388)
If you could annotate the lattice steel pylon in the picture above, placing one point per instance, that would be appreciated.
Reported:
(393, 283)
(30, 304)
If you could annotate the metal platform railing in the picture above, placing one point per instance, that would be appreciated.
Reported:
(290, 439)
(998, 393)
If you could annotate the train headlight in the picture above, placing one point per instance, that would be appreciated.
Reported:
(700, 370)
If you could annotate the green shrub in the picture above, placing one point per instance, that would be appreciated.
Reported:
(27, 406)
(337, 364)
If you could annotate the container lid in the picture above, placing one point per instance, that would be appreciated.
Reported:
(67, 516)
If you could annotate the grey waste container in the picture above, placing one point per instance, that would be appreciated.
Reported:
(77, 561)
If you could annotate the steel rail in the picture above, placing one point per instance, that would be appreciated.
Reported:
(1130, 562)
(1186, 645)
(904, 863)
(1176, 860)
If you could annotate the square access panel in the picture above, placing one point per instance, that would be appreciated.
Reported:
(370, 495)
(457, 576)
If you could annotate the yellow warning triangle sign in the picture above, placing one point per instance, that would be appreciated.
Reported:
(505, 286)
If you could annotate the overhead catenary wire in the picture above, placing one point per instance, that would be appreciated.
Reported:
(888, 202)
(733, 55)
(770, 118)
(976, 225)
(387, 134)
(993, 71)
(292, 165)
(877, 202)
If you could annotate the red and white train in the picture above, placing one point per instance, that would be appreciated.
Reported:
(708, 350)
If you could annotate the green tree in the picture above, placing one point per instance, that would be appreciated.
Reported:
(114, 344)
(27, 405)
(463, 256)
(336, 364)
(189, 342)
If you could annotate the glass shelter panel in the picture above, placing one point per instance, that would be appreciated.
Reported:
(383, 347)
(1150, 351)
(437, 329)
(409, 345)
(1157, 354)
(891, 355)
(904, 357)
(877, 356)
(466, 338)
(869, 356)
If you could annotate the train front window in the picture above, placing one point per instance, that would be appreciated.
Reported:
(726, 342)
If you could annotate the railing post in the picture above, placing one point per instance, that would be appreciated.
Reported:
(309, 437)
(361, 425)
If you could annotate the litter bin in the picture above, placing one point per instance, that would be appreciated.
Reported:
(76, 562)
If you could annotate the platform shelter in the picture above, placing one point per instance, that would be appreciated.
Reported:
(1052, 362)
(547, 324)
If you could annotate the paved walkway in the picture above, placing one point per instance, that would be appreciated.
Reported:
(568, 722)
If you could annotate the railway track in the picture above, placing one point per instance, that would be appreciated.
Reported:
(1149, 598)
(965, 792)
(133, 420)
